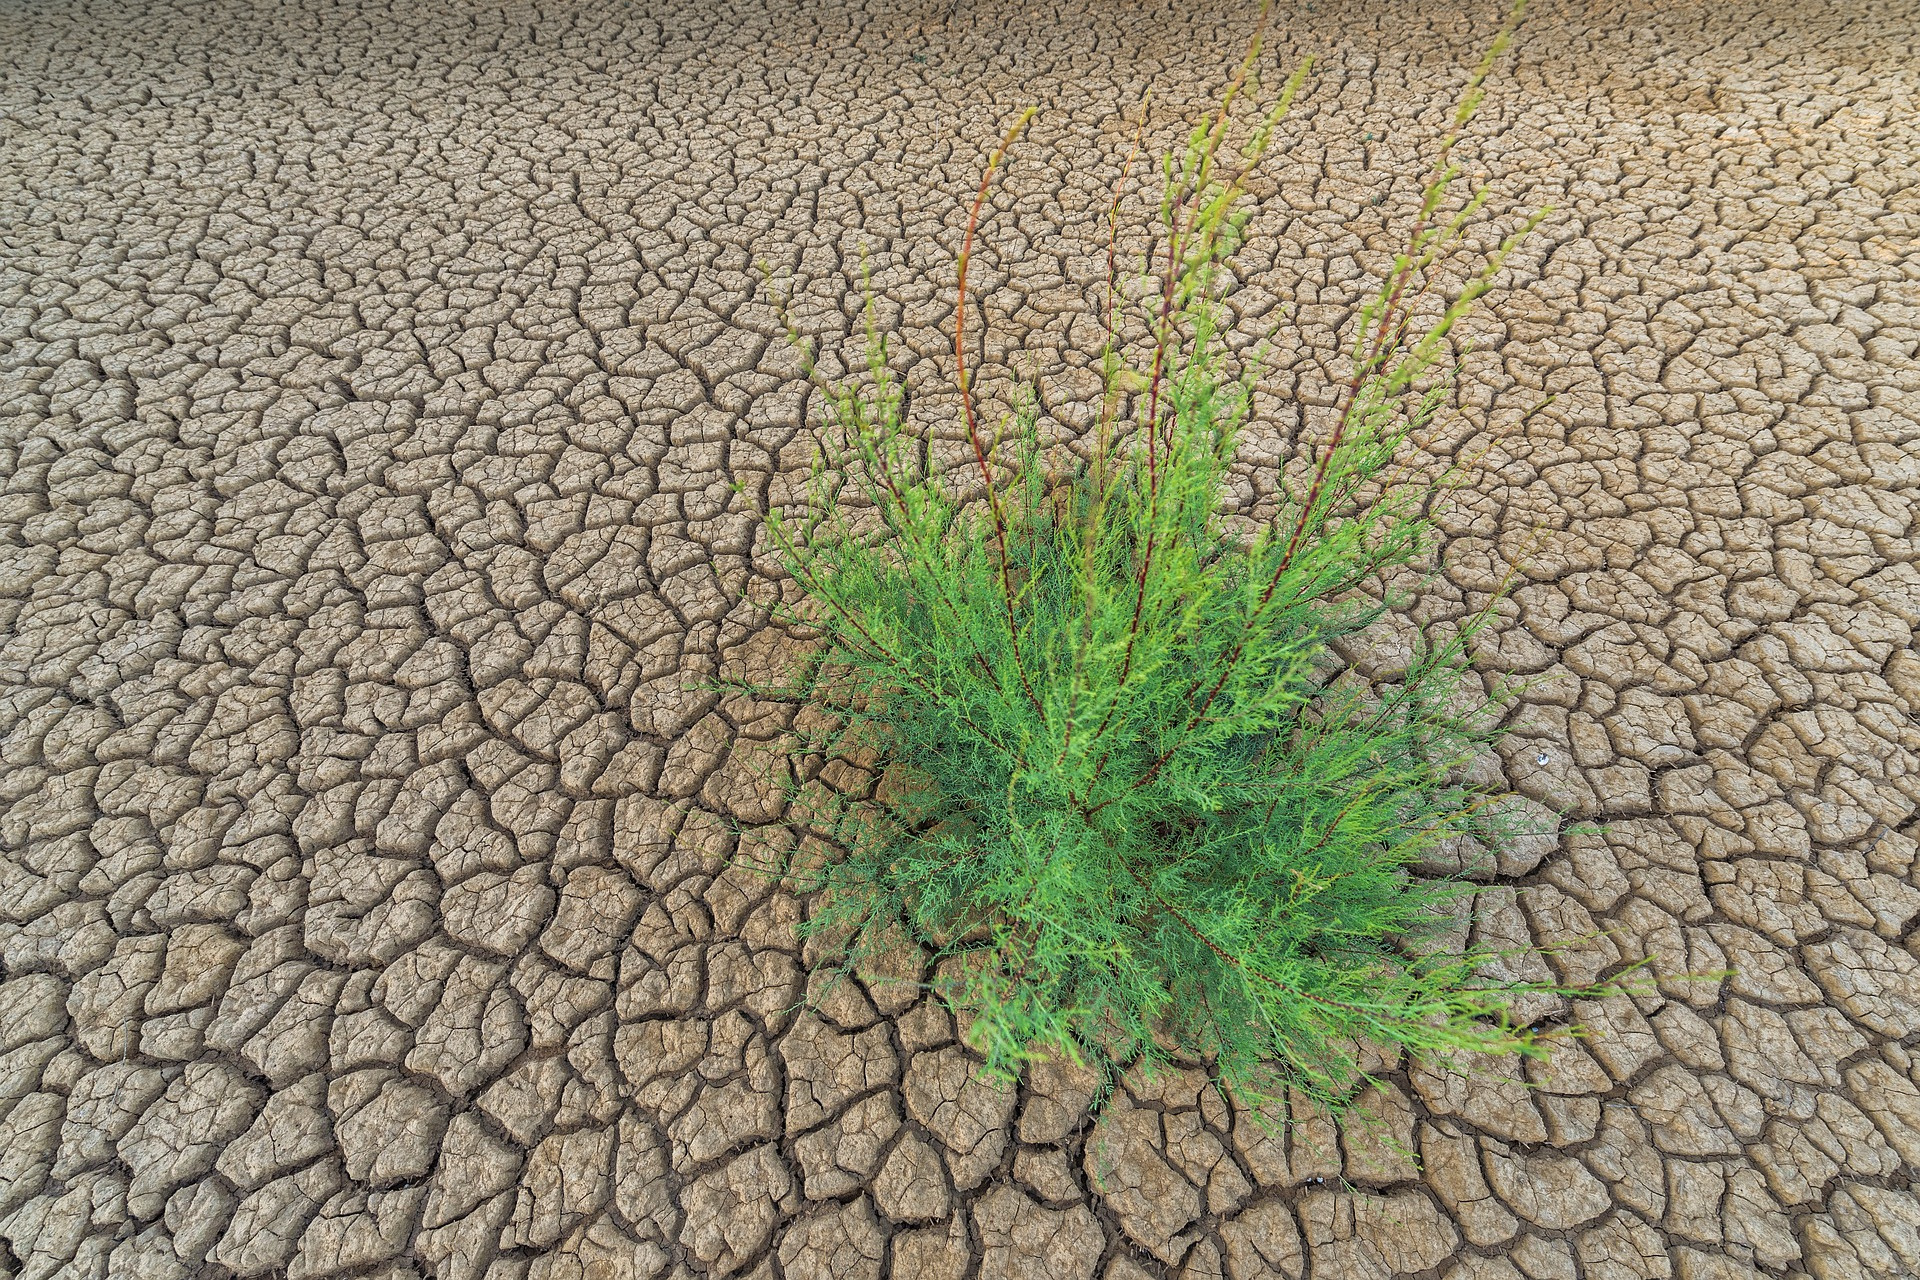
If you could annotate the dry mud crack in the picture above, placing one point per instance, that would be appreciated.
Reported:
(374, 380)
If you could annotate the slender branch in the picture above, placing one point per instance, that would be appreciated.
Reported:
(1391, 328)
(1089, 533)
(1203, 218)
(966, 400)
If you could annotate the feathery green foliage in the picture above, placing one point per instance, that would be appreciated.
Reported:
(1122, 772)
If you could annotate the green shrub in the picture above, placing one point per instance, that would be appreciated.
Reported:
(1123, 775)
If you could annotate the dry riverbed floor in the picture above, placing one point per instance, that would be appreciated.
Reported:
(374, 381)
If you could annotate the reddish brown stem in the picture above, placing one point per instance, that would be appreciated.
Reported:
(966, 403)
(1097, 515)
(1389, 324)
(1193, 187)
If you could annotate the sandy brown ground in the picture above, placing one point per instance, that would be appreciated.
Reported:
(375, 379)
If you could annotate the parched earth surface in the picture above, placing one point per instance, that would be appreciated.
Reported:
(389, 393)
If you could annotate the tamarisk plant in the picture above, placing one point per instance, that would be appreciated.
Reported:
(1122, 772)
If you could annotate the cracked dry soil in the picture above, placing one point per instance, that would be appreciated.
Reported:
(375, 381)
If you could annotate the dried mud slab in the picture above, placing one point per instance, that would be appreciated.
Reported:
(386, 396)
